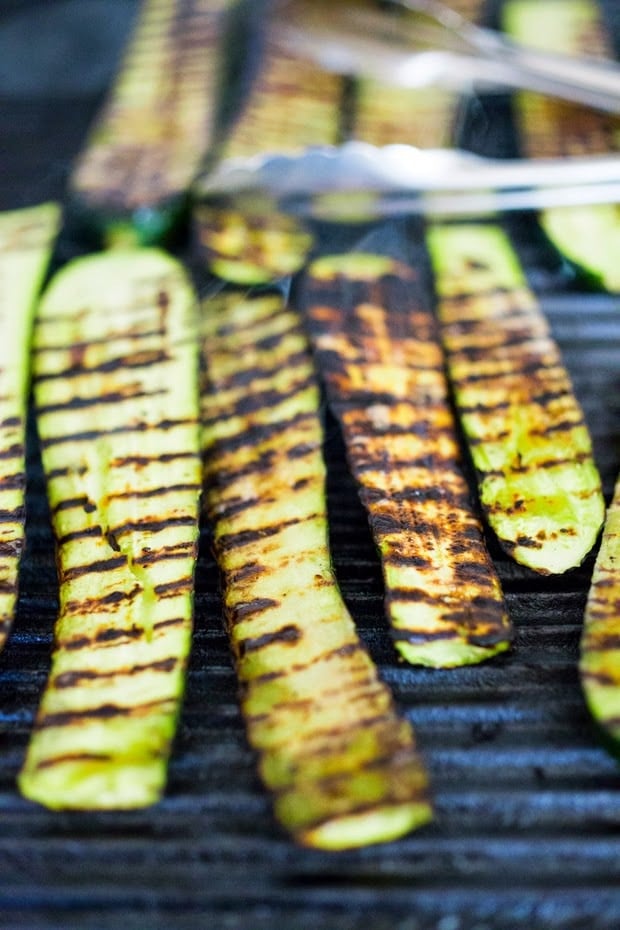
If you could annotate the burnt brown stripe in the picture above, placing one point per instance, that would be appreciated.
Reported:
(70, 503)
(151, 526)
(14, 482)
(170, 588)
(182, 550)
(256, 434)
(155, 492)
(348, 649)
(128, 428)
(75, 678)
(12, 452)
(524, 370)
(16, 515)
(229, 541)
(92, 605)
(100, 565)
(240, 611)
(83, 403)
(121, 363)
(101, 712)
(289, 635)
(73, 757)
(86, 533)
(143, 460)
(11, 422)
(82, 346)
(247, 376)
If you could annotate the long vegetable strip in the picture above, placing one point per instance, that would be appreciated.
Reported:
(341, 764)
(531, 448)
(293, 105)
(147, 143)
(599, 664)
(117, 404)
(379, 352)
(589, 235)
(26, 240)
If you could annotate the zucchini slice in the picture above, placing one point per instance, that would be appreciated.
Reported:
(599, 664)
(531, 448)
(378, 350)
(131, 180)
(26, 242)
(116, 375)
(293, 105)
(341, 764)
(588, 235)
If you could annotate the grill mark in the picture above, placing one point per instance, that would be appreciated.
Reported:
(91, 605)
(270, 397)
(105, 636)
(128, 428)
(255, 466)
(151, 526)
(11, 422)
(67, 471)
(14, 515)
(141, 461)
(230, 541)
(88, 532)
(247, 376)
(75, 678)
(182, 550)
(70, 503)
(171, 588)
(240, 611)
(525, 370)
(136, 360)
(256, 434)
(101, 712)
(602, 642)
(82, 346)
(12, 452)
(100, 565)
(14, 482)
(288, 635)
(73, 757)
(83, 403)
(155, 492)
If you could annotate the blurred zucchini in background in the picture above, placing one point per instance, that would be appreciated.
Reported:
(342, 766)
(115, 369)
(590, 234)
(537, 480)
(26, 243)
(599, 663)
(291, 106)
(378, 350)
(130, 183)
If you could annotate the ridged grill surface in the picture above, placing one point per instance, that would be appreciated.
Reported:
(527, 828)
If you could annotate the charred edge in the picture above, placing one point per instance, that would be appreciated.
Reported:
(101, 712)
(122, 363)
(69, 471)
(240, 611)
(101, 565)
(80, 676)
(11, 422)
(288, 635)
(247, 572)
(100, 400)
(70, 503)
(258, 433)
(230, 541)
(128, 428)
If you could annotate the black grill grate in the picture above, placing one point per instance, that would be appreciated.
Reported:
(527, 832)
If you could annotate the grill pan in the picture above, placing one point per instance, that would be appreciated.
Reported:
(527, 797)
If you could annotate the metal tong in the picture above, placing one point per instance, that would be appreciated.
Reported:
(430, 44)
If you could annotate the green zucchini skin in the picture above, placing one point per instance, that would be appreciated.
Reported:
(599, 665)
(341, 764)
(378, 351)
(588, 235)
(537, 479)
(26, 243)
(130, 184)
(115, 380)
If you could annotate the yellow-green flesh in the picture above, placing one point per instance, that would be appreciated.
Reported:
(342, 766)
(599, 663)
(379, 353)
(538, 482)
(590, 234)
(26, 242)
(115, 369)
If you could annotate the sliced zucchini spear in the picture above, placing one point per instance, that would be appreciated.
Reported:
(293, 105)
(378, 350)
(341, 764)
(117, 405)
(130, 182)
(538, 482)
(599, 664)
(26, 241)
(588, 235)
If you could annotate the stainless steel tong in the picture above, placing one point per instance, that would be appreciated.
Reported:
(417, 43)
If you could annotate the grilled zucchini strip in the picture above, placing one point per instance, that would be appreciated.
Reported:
(538, 482)
(293, 105)
(26, 241)
(599, 664)
(378, 350)
(116, 397)
(588, 235)
(130, 181)
(341, 764)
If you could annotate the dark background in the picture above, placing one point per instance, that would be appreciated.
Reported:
(527, 828)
